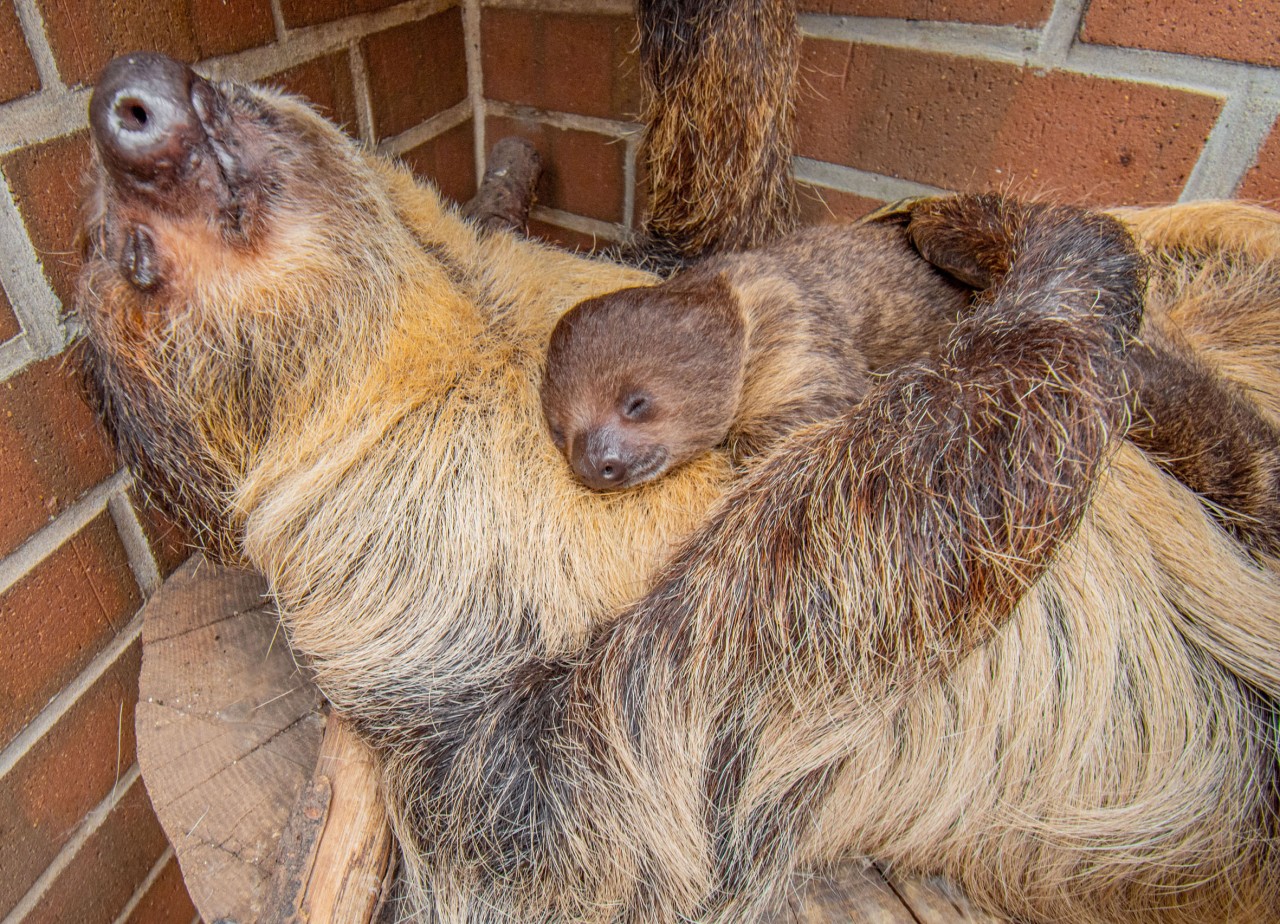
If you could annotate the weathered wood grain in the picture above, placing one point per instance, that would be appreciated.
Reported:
(336, 859)
(228, 732)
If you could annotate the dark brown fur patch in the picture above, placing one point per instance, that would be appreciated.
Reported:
(1200, 427)
(1208, 434)
(728, 188)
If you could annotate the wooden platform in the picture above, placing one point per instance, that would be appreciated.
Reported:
(230, 731)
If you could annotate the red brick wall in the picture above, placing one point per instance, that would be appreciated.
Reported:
(79, 547)
(1102, 102)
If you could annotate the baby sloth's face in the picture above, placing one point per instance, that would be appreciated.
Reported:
(640, 381)
(621, 438)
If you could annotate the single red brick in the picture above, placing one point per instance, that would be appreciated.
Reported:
(47, 182)
(58, 617)
(326, 83)
(575, 241)
(18, 75)
(822, 206)
(964, 123)
(565, 62)
(582, 172)
(108, 868)
(310, 12)
(415, 71)
(995, 12)
(448, 160)
(170, 542)
(9, 326)
(221, 27)
(85, 34)
(64, 775)
(1239, 30)
(51, 449)
(167, 901)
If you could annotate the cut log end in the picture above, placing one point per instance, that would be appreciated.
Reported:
(506, 193)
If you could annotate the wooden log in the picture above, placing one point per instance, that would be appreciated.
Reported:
(506, 193)
(228, 730)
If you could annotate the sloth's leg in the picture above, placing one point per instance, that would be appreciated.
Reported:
(718, 144)
(1205, 431)
(1198, 426)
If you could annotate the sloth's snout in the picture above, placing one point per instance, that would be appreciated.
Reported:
(143, 116)
(603, 472)
(600, 459)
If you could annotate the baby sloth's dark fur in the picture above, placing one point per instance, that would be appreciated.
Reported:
(743, 347)
(1209, 434)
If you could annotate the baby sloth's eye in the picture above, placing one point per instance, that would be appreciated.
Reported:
(637, 407)
(557, 437)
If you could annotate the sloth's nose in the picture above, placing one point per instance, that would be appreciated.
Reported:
(143, 117)
(609, 471)
(599, 464)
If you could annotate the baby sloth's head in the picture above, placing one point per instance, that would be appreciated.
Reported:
(643, 379)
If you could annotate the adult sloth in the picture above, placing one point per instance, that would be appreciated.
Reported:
(963, 628)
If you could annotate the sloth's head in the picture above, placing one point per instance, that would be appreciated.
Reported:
(643, 379)
(236, 246)
(211, 200)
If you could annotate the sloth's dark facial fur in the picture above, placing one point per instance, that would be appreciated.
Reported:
(192, 173)
(173, 148)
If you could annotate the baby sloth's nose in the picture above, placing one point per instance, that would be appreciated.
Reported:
(602, 471)
(143, 117)
(599, 460)
(611, 470)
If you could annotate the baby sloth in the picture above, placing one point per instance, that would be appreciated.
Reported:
(740, 350)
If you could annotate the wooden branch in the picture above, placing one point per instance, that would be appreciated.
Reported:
(336, 860)
(506, 193)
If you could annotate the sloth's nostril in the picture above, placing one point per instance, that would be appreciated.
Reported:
(133, 115)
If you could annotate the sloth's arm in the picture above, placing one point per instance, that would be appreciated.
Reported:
(904, 531)
(1198, 426)
(1206, 432)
